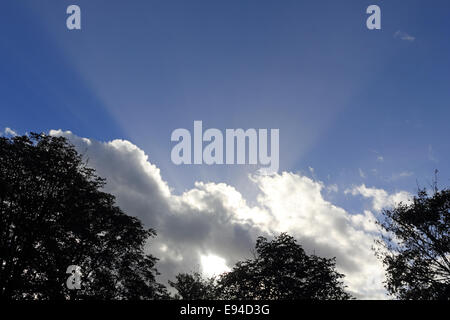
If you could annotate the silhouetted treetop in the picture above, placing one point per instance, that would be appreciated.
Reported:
(281, 270)
(192, 286)
(416, 248)
(53, 214)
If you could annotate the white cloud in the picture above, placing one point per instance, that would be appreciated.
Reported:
(403, 174)
(9, 132)
(365, 221)
(404, 36)
(380, 198)
(333, 188)
(215, 220)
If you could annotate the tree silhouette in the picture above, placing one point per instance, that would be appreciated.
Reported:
(416, 247)
(53, 214)
(281, 270)
(192, 286)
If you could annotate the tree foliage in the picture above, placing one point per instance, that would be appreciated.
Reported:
(192, 286)
(281, 270)
(416, 249)
(53, 214)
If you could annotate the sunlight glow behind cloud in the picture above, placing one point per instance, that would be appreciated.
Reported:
(213, 265)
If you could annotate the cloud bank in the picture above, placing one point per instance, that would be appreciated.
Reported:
(211, 226)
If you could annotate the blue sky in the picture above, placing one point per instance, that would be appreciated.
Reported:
(358, 106)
